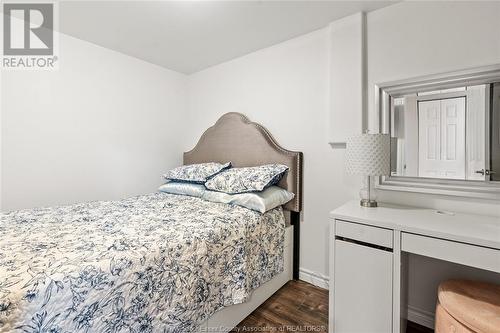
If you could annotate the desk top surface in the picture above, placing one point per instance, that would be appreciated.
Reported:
(468, 228)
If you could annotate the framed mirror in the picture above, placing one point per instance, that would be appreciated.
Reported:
(445, 133)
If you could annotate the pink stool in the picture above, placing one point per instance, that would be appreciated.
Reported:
(468, 306)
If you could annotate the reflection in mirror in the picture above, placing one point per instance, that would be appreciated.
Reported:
(447, 134)
(495, 133)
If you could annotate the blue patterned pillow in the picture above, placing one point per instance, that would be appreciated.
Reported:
(251, 179)
(196, 173)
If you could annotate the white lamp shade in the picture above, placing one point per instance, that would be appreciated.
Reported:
(368, 155)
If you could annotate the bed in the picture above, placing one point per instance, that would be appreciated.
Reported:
(157, 262)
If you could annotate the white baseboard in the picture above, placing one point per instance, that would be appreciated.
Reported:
(422, 317)
(317, 279)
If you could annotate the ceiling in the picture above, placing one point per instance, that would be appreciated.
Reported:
(189, 36)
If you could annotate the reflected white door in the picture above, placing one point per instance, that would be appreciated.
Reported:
(441, 137)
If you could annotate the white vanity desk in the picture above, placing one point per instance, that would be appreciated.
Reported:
(367, 258)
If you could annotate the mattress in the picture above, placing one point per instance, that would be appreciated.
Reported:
(152, 263)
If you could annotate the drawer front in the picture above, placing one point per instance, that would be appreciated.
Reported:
(465, 254)
(364, 233)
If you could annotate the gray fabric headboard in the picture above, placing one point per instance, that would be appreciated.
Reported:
(235, 138)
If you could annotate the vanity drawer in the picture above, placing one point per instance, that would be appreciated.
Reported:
(364, 233)
(461, 253)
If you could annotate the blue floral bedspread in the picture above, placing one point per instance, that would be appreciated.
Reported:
(152, 263)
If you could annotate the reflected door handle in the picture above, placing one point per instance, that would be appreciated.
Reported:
(485, 172)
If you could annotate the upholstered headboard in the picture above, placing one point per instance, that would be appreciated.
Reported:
(235, 138)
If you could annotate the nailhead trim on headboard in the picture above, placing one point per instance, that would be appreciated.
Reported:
(212, 141)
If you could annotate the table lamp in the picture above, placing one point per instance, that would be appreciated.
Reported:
(368, 155)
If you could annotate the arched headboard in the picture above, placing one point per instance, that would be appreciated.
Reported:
(235, 138)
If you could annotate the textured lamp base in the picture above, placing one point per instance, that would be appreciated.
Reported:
(368, 203)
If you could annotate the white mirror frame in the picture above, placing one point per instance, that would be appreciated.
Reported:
(463, 188)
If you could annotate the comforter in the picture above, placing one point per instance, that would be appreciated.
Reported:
(152, 263)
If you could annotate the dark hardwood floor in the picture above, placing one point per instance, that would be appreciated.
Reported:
(297, 307)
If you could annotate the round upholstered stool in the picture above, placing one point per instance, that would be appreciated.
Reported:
(468, 306)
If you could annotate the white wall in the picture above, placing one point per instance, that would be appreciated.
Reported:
(285, 88)
(347, 38)
(412, 39)
(104, 126)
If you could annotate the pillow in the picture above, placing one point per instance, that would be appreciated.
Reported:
(268, 199)
(183, 188)
(250, 179)
(196, 173)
